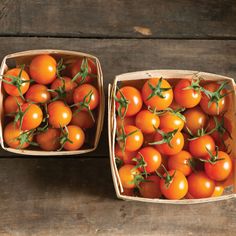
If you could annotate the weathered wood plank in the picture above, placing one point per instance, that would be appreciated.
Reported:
(123, 18)
(121, 56)
(76, 197)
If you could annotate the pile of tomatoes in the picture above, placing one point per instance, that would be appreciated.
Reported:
(50, 103)
(172, 138)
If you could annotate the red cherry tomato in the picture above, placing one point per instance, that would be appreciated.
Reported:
(151, 188)
(185, 95)
(128, 101)
(177, 188)
(155, 95)
(147, 121)
(181, 161)
(198, 147)
(49, 140)
(126, 156)
(21, 80)
(151, 157)
(85, 66)
(43, 69)
(200, 185)
(11, 104)
(82, 119)
(60, 114)
(38, 93)
(86, 96)
(127, 175)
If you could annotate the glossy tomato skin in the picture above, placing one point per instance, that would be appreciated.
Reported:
(76, 136)
(127, 174)
(11, 132)
(198, 147)
(134, 98)
(180, 162)
(10, 104)
(82, 119)
(187, 98)
(82, 91)
(171, 121)
(38, 93)
(151, 157)
(32, 118)
(156, 102)
(60, 114)
(195, 119)
(200, 185)
(133, 141)
(218, 191)
(147, 121)
(43, 69)
(126, 156)
(177, 188)
(151, 188)
(69, 88)
(12, 89)
(176, 143)
(128, 120)
(49, 140)
(76, 68)
(221, 169)
(212, 109)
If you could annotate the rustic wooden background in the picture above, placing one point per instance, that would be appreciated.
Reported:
(75, 196)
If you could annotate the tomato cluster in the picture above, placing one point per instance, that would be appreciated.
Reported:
(172, 138)
(50, 103)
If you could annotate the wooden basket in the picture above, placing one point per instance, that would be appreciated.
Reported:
(166, 74)
(24, 58)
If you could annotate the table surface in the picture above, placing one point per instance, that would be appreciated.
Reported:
(75, 196)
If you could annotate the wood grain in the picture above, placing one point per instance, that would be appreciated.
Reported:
(124, 55)
(76, 197)
(122, 19)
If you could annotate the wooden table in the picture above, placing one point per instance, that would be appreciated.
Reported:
(75, 196)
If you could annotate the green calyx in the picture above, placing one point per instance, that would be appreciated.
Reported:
(168, 178)
(176, 112)
(141, 163)
(19, 115)
(220, 127)
(60, 91)
(157, 90)
(60, 67)
(123, 103)
(213, 157)
(64, 137)
(25, 137)
(166, 137)
(195, 85)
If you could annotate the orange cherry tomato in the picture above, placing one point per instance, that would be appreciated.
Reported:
(220, 167)
(76, 136)
(43, 69)
(126, 156)
(171, 120)
(155, 95)
(128, 192)
(176, 188)
(64, 87)
(151, 188)
(38, 93)
(147, 121)
(127, 175)
(181, 162)
(175, 145)
(23, 82)
(195, 119)
(128, 101)
(32, 118)
(13, 136)
(129, 120)
(88, 93)
(133, 136)
(186, 97)
(198, 147)
(218, 191)
(10, 104)
(200, 185)
(230, 180)
(213, 108)
(82, 119)
(60, 114)
(151, 157)
(49, 140)
(85, 66)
